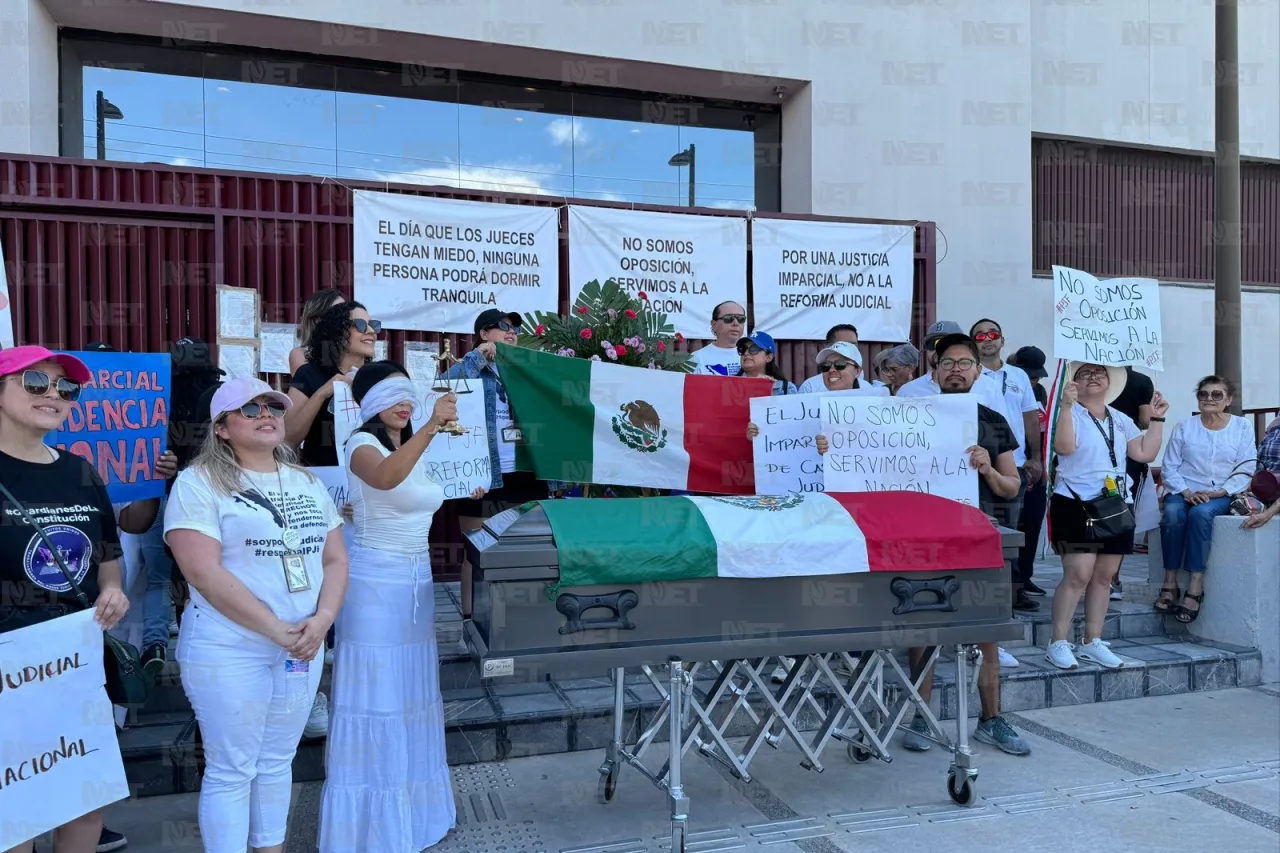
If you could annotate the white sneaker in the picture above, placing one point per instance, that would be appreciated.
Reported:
(1097, 651)
(318, 722)
(781, 670)
(1007, 660)
(1059, 654)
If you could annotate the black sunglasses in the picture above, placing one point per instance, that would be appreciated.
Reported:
(363, 326)
(36, 383)
(834, 365)
(501, 324)
(732, 318)
(253, 409)
(750, 349)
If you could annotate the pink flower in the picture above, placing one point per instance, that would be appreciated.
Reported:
(643, 296)
(620, 350)
(613, 313)
(585, 334)
(629, 314)
(540, 331)
(640, 347)
(606, 345)
(567, 352)
(595, 358)
(582, 309)
(611, 352)
(653, 366)
(662, 347)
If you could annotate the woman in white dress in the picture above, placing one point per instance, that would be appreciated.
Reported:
(387, 786)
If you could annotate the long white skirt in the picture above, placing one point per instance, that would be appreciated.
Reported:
(387, 786)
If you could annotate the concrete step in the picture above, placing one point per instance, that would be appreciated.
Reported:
(488, 723)
(1125, 620)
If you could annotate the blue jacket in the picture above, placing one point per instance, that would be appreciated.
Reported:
(475, 366)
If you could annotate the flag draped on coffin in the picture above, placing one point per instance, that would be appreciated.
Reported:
(590, 422)
(642, 540)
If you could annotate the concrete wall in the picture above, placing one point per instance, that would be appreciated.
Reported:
(28, 78)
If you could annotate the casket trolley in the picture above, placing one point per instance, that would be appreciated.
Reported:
(838, 630)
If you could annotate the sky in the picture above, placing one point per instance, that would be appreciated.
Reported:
(190, 121)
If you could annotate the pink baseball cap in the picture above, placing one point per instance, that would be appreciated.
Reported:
(234, 393)
(18, 359)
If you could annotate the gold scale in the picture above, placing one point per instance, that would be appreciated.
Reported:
(444, 385)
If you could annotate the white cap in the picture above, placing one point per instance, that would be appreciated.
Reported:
(844, 349)
(234, 393)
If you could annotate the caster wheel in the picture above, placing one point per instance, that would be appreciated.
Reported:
(963, 791)
(503, 748)
(858, 754)
(608, 786)
(677, 839)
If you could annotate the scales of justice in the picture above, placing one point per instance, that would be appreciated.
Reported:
(444, 385)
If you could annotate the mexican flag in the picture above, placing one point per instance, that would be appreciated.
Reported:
(641, 540)
(587, 421)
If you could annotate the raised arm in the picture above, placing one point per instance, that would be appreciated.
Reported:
(386, 472)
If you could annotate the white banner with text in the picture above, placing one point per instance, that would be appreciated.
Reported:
(1113, 322)
(433, 264)
(808, 276)
(684, 264)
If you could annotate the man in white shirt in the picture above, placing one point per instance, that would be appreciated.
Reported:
(847, 333)
(720, 358)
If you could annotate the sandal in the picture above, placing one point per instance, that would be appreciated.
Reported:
(1186, 615)
(1170, 604)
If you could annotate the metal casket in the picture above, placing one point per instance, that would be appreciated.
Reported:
(523, 624)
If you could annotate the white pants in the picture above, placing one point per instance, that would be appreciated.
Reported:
(251, 718)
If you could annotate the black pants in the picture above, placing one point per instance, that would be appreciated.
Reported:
(1030, 523)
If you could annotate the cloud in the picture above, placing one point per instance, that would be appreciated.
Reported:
(515, 179)
(730, 204)
(564, 131)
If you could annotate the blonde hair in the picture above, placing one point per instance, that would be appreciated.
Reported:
(318, 303)
(217, 460)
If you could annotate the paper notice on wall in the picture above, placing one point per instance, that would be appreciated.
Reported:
(6, 307)
(785, 456)
(420, 360)
(238, 360)
(808, 276)
(433, 264)
(61, 758)
(278, 340)
(237, 313)
(1114, 322)
(458, 463)
(685, 265)
(916, 444)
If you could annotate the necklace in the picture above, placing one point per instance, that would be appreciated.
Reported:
(292, 538)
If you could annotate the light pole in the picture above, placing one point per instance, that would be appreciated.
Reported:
(1226, 196)
(106, 110)
(687, 157)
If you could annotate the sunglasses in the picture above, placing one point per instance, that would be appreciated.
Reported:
(832, 365)
(956, 364)
(253, 410)
(750, 349)
(1216, 395)
(986, 336)
(36, 383)
(732, 318)
(502, 326)
(363, 326)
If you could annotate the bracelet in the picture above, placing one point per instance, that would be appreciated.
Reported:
(1156, 420)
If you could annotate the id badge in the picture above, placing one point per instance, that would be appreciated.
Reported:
(295, 573)
(296, 665)
(512, 435)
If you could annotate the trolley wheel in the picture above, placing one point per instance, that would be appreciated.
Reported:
(677, 838)
(503, 748)
(608, 785)
(857, 753)
(963, 789)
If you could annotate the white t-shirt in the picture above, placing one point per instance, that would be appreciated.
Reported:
(1203, 460)
(718, 361)
(1086, 470)
(250, 529)
(1019, 398)
(985, 389)
(396, 520)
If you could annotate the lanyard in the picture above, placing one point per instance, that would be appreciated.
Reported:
(1109, 435)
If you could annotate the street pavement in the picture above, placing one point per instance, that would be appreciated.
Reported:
(1192, 771)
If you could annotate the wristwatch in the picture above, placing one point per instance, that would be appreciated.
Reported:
(1156, 420)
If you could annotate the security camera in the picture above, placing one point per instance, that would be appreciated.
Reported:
(780, 91)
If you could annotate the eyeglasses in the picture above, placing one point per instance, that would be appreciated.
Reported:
(36, 383)
(363, 326)
(986, 336)
(503, 325)
(833, 365)
(1217, 395)
(253, 409)
(956, 364)
(1086, 375)
(732, 318)
(750, 349)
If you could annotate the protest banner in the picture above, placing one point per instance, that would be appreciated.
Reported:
(120, 424)
(60, 757)
(808, 276)
(785, 457)
(916, 444)
(1114, 322)
(685, 265)
(433, 264)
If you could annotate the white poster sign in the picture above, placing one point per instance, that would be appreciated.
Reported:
(6, 307)
(335, 480)
(808, 276)
(916, 444)
(433, 264)
(1114, 322)
(685, 264)
(346, 414)
(60, 758)
(785, 456)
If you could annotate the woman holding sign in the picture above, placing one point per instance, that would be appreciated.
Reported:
(260, 541)
(1088, 508)
(387, 787)
(64, 491)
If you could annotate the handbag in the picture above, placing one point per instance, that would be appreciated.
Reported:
(125, 681)
(1261, 491)
(1108, 516)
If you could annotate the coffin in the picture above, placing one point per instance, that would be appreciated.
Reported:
(527, 623)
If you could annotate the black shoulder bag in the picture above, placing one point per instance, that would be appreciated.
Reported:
(126, 684)
(1109, 516)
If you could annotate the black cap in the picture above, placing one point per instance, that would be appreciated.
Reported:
(100, 346)
(1031, 360)
(493, 317)
(946, 342)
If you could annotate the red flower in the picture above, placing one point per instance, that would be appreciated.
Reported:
(582, 309)
(679, 337)
(585, 334)
(643, 296)
(662, 347)
(629, 314)
(540, 331)
(620, 350)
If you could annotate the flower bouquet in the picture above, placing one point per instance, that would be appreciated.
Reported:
(610, 325)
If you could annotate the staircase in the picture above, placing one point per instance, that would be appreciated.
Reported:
(489, 723)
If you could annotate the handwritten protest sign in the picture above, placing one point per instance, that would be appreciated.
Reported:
(1115, 322)
(785, 456)
(120, 424)
(335, 479)
(60, 758)
(346, 414)
(915, 444)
